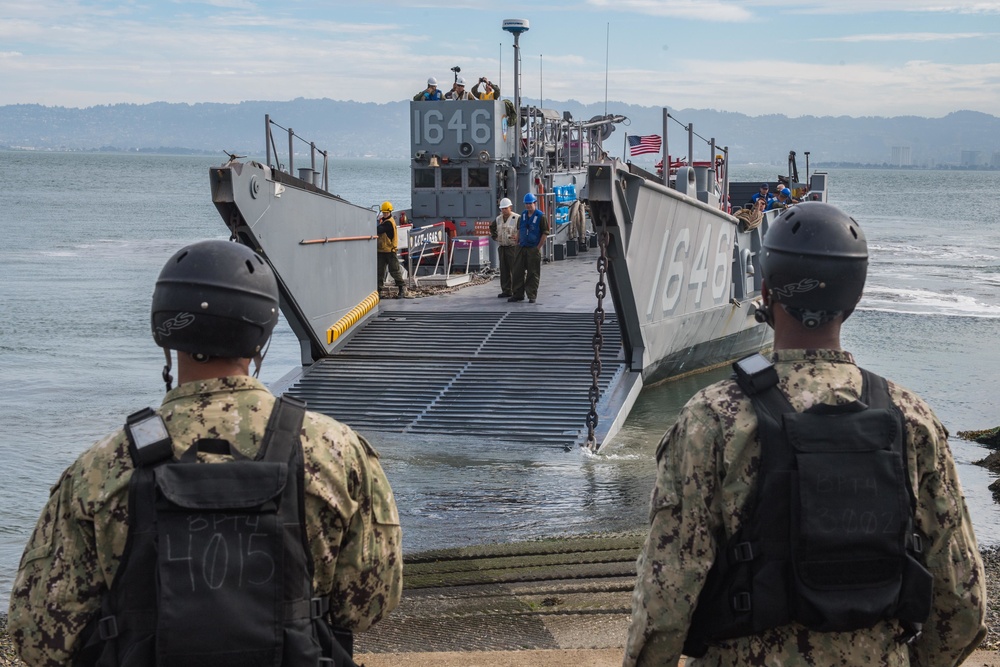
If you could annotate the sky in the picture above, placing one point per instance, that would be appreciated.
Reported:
(757, 57)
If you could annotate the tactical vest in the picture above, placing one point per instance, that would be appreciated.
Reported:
(530, 229)
(828, 540)
(386, 244)
(216, 569)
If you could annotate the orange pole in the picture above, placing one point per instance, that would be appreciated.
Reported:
(335, 239)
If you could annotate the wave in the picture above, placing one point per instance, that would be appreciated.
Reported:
(917, 301)
(894, 253)
(927, 313)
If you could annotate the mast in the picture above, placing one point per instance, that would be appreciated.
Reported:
(516, 27)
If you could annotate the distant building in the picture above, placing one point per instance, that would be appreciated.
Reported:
(973, 159)
(901, 156)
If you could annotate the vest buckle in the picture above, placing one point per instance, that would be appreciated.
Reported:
(318, 607)
(741, 602)
(918, 543)
(743, 552)
(107, 628)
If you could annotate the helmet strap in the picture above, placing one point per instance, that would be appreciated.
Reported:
(167, 377)
(258, 358)
(811, 319)
(764, 315)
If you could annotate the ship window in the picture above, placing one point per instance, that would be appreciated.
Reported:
(479, 177)
(423, 178)
(451, 178)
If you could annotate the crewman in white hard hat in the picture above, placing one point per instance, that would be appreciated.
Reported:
(430, 93)
(458, 91)
(503, 230)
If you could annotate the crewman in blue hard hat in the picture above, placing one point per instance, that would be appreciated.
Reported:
(532, 230)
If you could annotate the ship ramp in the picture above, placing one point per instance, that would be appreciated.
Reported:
(468, 364)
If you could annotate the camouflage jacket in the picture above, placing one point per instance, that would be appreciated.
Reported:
(706, 466)
(73, 554)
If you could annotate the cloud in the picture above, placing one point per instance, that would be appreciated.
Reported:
(704, 10)
(910, 37)
(820, 90)
(886, 6)
(720, 10)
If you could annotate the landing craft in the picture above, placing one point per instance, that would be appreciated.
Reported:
(681, 274)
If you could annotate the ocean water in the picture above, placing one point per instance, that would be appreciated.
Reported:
(86, 234)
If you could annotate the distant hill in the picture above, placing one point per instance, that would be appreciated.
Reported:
(355, 129)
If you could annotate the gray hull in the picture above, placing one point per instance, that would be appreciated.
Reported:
(682, 275)
(683, 280)
(321, 247)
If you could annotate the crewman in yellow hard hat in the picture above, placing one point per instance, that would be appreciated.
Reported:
(387, 247)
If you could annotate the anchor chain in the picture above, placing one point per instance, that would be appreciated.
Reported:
(601, 291)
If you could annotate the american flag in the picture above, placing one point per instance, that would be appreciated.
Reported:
(649, 143)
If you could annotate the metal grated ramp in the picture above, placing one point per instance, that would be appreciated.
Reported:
(498, 375)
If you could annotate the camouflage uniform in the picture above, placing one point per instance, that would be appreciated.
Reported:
(72, 557)
(706, 466)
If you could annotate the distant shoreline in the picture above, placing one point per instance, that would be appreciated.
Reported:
(181, 152)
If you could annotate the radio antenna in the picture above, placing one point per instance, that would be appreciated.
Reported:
(607, 51)
(541, 95)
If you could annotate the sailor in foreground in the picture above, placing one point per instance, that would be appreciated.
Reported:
(807, 512)
(225, 528)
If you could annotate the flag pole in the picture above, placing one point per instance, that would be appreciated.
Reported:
(625, 149)
(666, 152)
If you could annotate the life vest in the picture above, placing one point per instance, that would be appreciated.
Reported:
(530, 229)
(829, 540)
(506, 230)
(216, 568)
(386, 244)
(428, 97)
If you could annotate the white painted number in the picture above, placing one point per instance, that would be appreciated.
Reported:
(675, 272)
(709, 269)
(433, 132)
(481, 128)
(720, 279)
(699, 274)
(429, 127)
(457, 126)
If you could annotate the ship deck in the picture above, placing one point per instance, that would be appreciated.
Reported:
(466, 363)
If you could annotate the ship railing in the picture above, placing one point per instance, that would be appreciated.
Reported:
(715, 169)
(555, 142)
(317, 178)
(433, 240)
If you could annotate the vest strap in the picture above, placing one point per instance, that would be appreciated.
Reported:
(282, 430)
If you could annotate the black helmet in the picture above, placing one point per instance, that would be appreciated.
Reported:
(815, 261)
(215, 299)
